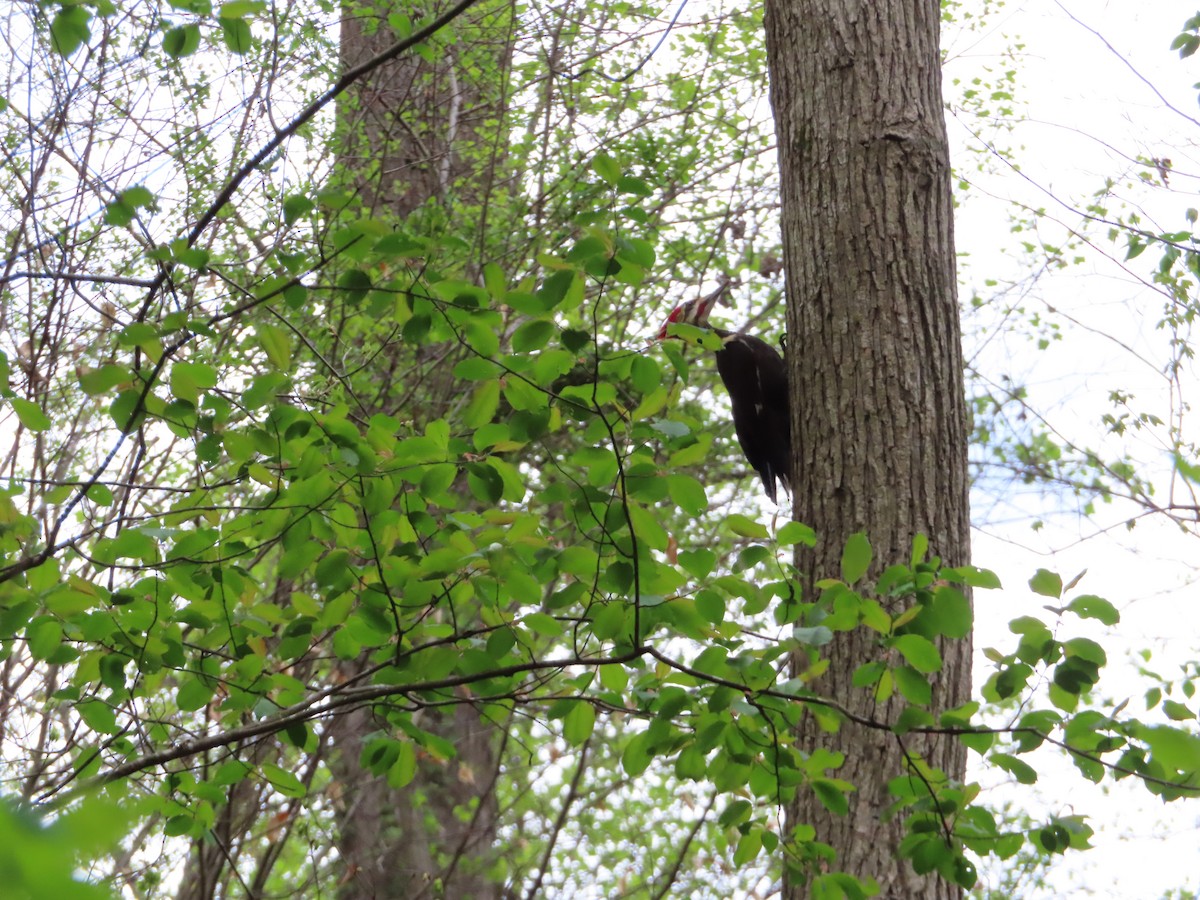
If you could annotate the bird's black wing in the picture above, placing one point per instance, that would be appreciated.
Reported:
(756, 377)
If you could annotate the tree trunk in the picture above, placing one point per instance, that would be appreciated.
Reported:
(876, 364)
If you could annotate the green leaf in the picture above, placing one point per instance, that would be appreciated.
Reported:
(646, 374)
(628, 184)
(920, 546)
(543, 624)
(277, 344)
(69, 29)
(404, 769)
(856, 557)
(1089, 606)
(1019, 769)
(711, 606)
(606, 167)
(236, 35)
(637, 755)
(283, 781)
(748, 847)
(918, 652)
(579, 722)
(189, 379)
(950, 612)
(132, 543)
(744, 526)
(43, 636)
(484, 403)
(973, 576)
(1046, 583)
(193, 694)
(295, 207)
(699, 563)
(687, 493)
(796, 533)
(237, 9)
(122, 211)
(555, 288)
(98, 716)
(533, 335)
(832, 797)
(30, 414)
(181, 41)
(1177, 712)
(609, 622)
(913, 686)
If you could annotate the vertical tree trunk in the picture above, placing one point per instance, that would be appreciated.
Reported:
(875, 359)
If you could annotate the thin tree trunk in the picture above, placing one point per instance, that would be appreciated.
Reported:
(875, 363)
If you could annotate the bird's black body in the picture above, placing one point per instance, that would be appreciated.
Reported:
(755, 375)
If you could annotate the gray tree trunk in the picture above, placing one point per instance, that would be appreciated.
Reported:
(875, 360)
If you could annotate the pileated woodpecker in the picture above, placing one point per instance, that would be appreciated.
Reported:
(756, 377)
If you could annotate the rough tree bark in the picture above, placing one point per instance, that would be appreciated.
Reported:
(876, 365)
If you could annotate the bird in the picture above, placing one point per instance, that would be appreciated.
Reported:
(755, 375)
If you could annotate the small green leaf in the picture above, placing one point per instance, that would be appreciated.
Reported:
(920, 546)
(579, 722)
(1019, 769)
(1046, 583)
(295, 207)
(687, 493)
(646, 374)
(950, 612)
(711, 606)
(483, 405)
(532, 335)
(744, 526)
(606, 167)
(181, 41)
(555, 288)
(628, 184)
(973, 576)
(97, 381)
(543, 624)
(748, 847)
(796, 533)
(698, 563)
(856, 557)
(1089, 606)
(1176, 711)
(43, 636)
(236, 35)
(99, 716)
(913, 685)
(193, 694)
(283, 781)
(831, 796)
(404, 769)
(637, 756)
(277, 344)
(609, 622)
(30, 414)
(237, 9)
(69, 29)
